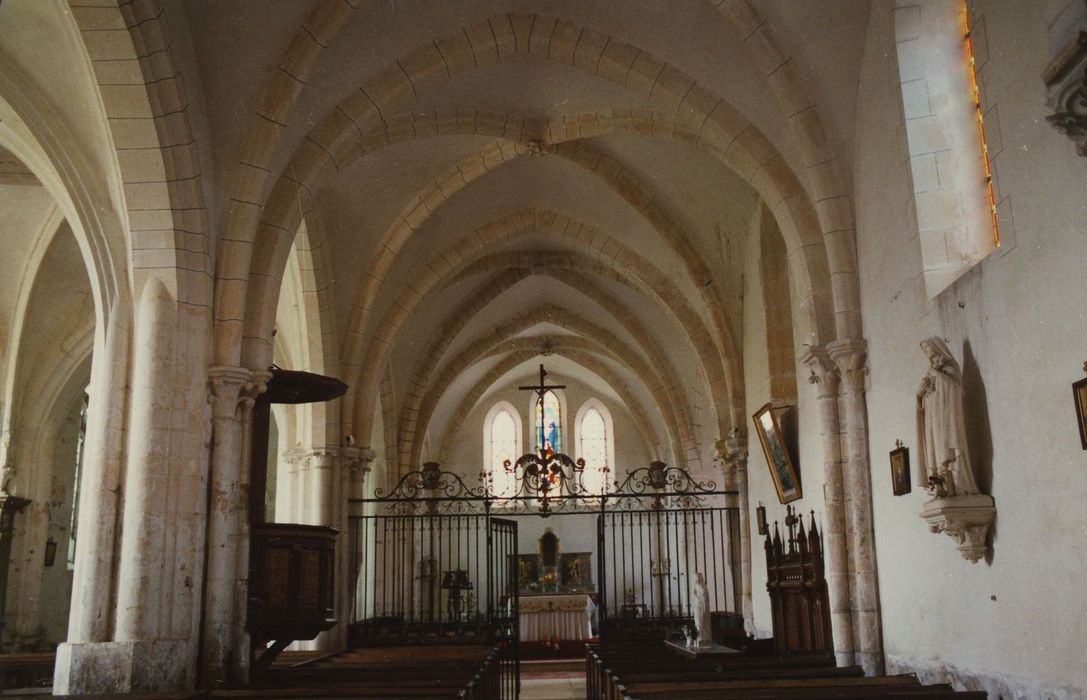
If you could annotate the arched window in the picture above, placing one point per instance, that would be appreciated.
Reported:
(595, 444)
(501, 442)
(550, 416)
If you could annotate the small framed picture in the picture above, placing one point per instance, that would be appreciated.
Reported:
(784, 473)
(1079, 391)
(900, 470)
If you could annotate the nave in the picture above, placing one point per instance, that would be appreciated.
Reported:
(825, 256)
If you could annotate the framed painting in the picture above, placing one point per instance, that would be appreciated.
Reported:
(900, 470)
(576, 570)
(782, 470)
(528, 571)
(1079, 391)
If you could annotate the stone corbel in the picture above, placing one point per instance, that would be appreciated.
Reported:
(967, 519)
(1066, 91)
(824, 374)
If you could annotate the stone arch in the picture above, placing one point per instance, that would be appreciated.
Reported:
(284, 202)
(146, 106)
(599, 339)
(34, 132)
(490, 291)
(656, 284)
(253, 167)
(777, 305)
(746, 149)
(570, 348)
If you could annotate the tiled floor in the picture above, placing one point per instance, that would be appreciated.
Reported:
(553, 688)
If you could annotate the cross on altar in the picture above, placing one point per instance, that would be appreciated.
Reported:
(541, 389)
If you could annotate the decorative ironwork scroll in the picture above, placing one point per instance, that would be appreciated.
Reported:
(650, 486)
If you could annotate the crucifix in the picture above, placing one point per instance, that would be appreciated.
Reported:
(541, 389)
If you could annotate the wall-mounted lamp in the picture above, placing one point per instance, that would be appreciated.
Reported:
(760, 519)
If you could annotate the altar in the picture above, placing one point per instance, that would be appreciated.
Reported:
(556, 617)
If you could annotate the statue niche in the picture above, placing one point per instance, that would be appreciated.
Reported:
(958, 507)
(548, 551)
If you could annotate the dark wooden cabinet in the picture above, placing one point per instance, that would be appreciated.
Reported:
(291, 581)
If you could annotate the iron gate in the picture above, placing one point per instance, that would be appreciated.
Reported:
(439, 559)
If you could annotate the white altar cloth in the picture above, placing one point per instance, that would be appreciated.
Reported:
(549, 617)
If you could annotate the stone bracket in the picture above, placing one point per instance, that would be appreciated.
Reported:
(967, 519)
(1066, 91)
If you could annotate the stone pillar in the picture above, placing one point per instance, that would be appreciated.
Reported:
(239, 672)
(91, 617)
(825, 375)
(144, 653)
(231, 388)
(354, 464)
(143, 530)
(851, 359)
(732, 453)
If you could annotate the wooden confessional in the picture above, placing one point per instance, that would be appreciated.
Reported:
(798, 589)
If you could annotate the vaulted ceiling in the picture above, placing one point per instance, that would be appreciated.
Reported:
(480, 185)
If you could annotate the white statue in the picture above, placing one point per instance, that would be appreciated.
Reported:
(941, 428)
(700, 610)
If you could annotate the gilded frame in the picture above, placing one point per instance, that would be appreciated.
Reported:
(1079, 393)
(782, 470)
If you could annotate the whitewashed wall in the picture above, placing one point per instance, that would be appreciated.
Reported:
(1017, 624)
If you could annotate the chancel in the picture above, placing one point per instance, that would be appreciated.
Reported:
(648, 349)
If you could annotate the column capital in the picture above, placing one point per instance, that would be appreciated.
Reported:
(851, 358)
(824, 372)
(231, 387)
(357, 459)
(305, 457)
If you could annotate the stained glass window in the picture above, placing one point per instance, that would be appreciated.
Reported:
(550, 417)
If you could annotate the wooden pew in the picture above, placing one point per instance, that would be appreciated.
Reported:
(440, 671)
(633, 671)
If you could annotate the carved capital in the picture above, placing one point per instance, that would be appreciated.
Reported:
(1066, 91)
(967, 519)
(356, 460)
(225, 386)
(824, 372)
(313, 457)
(851, 358)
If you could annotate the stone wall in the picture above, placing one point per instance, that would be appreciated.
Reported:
(1018, 328)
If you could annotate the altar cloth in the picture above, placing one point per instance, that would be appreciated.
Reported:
(556, 617)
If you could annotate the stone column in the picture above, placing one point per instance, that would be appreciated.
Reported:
(354, 464)
(825, 376)
(732, 453)
(228, 386)
(851, 359)
(90, 618)
(146, 517)
(239, 672)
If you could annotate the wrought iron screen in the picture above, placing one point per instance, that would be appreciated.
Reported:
(434, 557)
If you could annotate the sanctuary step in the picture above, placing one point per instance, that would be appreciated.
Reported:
(633, 671)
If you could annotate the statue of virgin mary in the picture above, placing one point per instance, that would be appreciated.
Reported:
(941, 427)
